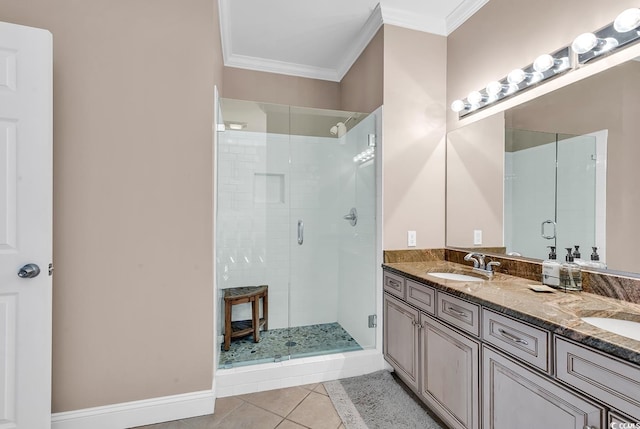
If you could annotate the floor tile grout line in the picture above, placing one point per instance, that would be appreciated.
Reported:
(271, 411)
(224, 416)
(309, 392)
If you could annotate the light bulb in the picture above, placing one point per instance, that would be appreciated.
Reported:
(494, 88)
(516, 76)
(543, 63)
(627, 20)
(458, 106)
(584, 43)
(513, 87)
(535, 77)
(474, 97)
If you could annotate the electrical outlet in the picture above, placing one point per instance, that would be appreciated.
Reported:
(411, 238)
(477, 237)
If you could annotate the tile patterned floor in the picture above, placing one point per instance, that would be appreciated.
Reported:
(292, 408)
(299, 341)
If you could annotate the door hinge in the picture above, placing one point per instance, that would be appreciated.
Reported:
(50, 269)
(373, 321)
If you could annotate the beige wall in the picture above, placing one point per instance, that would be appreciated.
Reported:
(133, 97)
(413, 137)
(505, 34)
(361, 89)
(275, 88)
(475, 171)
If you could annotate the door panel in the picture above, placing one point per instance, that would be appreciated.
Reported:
(25, 226)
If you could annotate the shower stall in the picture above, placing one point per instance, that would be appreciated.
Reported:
(296, 209)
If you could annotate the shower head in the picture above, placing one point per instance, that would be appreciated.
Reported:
(340, 128)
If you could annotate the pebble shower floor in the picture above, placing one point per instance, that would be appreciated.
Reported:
(276, 344)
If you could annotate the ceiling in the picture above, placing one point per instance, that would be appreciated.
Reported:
(321, 39)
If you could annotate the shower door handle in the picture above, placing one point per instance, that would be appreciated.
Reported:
(542, 231)
(300, 232)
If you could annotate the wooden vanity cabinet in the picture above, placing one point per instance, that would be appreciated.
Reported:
(458, 355)
(516, 397)
(400, 339)
(449, 368)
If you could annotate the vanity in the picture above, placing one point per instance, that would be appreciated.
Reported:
(495, 354)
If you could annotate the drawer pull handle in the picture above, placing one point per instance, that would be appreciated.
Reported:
(455, 311)
(393, 283)
(512, 337)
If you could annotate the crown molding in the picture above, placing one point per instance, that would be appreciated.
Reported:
(378, 17)
(281, 67)
(412, 21)
(365, 35)
(463, 12)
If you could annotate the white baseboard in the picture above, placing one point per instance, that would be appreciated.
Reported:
(137, 413)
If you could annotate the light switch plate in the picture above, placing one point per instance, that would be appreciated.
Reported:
(477, 237)
(411, 238)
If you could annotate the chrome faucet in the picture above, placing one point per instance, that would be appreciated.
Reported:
(479, 264)
(477, 259)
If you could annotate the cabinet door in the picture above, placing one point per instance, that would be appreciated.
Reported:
(400, 339)
(516, 397)
(450, 377)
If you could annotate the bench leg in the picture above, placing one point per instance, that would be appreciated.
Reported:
(255, 319)
(227, 325)
(265, 310)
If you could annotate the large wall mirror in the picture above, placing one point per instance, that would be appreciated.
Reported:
(560, 170)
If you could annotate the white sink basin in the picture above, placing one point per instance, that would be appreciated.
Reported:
(626, 328)
(457, 277)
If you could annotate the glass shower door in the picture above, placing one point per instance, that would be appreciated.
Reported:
(333, 260)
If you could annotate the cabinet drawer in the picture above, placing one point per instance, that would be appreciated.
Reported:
(422, 296)
(517, 338)
(611, 380)
(459, 313)
(394, 284)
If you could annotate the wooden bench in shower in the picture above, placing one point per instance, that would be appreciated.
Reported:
(242, 295)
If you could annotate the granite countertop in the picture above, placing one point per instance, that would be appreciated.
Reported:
(558, 311)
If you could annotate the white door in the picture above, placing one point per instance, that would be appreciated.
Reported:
(25, 226)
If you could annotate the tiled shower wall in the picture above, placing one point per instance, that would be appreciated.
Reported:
(261, 196)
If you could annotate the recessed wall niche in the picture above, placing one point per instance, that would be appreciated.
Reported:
(268, 188)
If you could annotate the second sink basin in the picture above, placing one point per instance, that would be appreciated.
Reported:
(456, 277)
(626, 328)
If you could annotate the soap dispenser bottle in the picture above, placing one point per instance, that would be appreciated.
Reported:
(577, 257)
(570, 273)
(595, 260)
(551, 269)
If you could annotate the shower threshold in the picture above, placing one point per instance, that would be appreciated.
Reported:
(288, 343)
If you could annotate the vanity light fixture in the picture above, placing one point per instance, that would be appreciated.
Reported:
(623, 31)
(545, 67)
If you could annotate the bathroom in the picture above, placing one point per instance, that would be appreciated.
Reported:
(155, 169)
